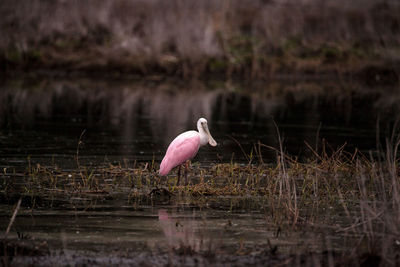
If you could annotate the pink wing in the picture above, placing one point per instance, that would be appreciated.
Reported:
(184, 147)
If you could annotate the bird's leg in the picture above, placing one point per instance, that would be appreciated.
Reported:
(186, 171)
(179, 175)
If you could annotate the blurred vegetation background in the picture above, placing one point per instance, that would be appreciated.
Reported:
(250, 38)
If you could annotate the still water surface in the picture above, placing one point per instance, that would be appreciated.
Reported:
(219, 224)
(127, 121)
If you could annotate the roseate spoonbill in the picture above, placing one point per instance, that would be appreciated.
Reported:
(185, 146)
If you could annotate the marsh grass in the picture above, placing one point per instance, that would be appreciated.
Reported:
(334, 176)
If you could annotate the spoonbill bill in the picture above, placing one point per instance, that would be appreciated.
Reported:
(185, 146)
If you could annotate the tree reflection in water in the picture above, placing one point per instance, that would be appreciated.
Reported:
(145, 116)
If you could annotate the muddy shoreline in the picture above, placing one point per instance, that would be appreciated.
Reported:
(133, 255)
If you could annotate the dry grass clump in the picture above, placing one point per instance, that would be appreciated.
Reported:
(313, 179)
(330, 177)
(254, 38)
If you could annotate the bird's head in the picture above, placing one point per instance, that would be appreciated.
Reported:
(203, 127)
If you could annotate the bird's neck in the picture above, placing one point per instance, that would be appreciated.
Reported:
(203, 136)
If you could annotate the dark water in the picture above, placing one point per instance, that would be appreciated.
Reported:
(220, 224)
(126, 121)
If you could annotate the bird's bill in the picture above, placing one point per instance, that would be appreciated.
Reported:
(211, 140)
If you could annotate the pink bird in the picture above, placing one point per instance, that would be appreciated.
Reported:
(185, 146)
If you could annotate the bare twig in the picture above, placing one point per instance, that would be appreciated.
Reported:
(241, 148)
(13, 218)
